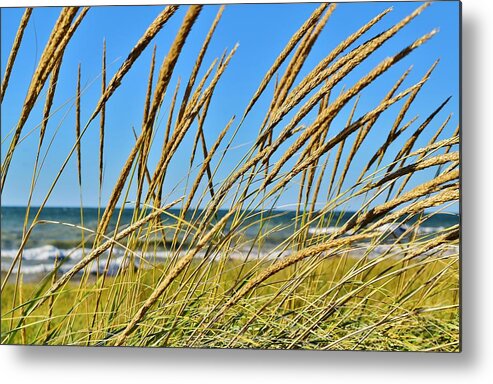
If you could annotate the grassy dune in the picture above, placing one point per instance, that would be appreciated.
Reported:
(319, 291)
(362, 308)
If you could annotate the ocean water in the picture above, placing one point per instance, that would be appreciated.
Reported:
(59, 238)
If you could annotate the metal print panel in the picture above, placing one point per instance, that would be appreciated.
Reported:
(271, 176)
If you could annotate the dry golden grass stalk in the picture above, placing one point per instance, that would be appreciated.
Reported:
(52, 298)
(332, 110)
(54, 65)
(317, 140)
(316, 190)
(163, 80)
(115, 82)
(387, 142)
(58, 40)
(337, 51)
(44, 123)
(198, 63)
(301, 165)
(170, 277)
(394, 132)
(47, 108)
(96, 252)
(205, 166)
(418, 249)
(328, 114)
(341, 147)
(188, 117)
(407, 147)
(205, 151)
(170, 60)
(52, 87)
(147, 141)
(325, 312)
(182, 125)
(208, 155)
(181, 128)
(446, 195)
(159, 193)
(195, 106)
(14, 50)
(447, 238)
(309, 174)
(62, 40)
(147, 106)
(299, 58)
(167, 133)
(424, 189)
(199, 136)
(297, 36)
(285, 83)
(453, 140)
(147, 102)
(340, 68)
(77, 127)
(362, 133)
(333, 247)
(142, 44)
(150, 33)
(412, 168)
(431, 145)
(219, 237)
(102, 118)
(49, 102)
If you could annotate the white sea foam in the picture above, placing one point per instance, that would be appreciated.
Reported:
(322, 231)
(386, 228)
(46, 252)
(41, 260)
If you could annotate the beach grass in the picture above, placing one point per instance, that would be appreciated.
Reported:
(359, 287)
(283, 312)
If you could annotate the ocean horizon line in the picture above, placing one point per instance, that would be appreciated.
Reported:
(275, 209)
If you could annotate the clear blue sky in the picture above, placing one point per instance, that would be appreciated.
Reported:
(261, 30)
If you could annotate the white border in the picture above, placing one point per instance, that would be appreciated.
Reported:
(38, 365)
